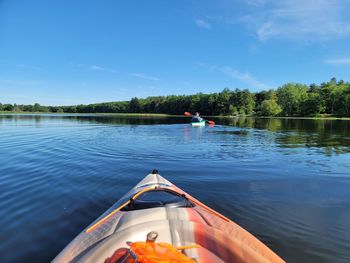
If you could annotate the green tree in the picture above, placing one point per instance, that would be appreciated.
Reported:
(37, 107)
(290, 97)
(264, 95)
(28, 108)
(270, 108)
(341, 93)
(195, 103)
(232, 110)
(312, 105)
(212, 104)
(8, 107)
(329, 93)
(16, 108)
(332, 97)
(223, 102)
(134, 105)
(242, 112)
(244, 100)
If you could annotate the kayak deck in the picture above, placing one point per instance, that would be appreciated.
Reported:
(156, 205)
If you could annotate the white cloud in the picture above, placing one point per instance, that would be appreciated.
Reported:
(338, 61)
(94, 67)
(305, 20)
(144, 76)
(99, 68)
(243, 77)
(111, 70)
(236, 74)
(202, 24)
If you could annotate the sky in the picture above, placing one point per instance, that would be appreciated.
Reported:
(75, 52)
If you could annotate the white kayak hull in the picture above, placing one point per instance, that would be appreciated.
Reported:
(198, 124)
(216, 238)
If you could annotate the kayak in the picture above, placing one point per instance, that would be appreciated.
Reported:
(158, 222)
(198, 123)
(197, 120)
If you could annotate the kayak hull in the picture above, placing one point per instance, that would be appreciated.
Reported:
(217, 238)
(198, 124)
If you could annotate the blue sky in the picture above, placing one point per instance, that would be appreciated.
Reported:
(70, 52)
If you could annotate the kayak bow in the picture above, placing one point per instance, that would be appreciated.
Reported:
(158, 222)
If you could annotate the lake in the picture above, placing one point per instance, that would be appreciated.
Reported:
(286, 181)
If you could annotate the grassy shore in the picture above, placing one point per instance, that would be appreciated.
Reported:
(282, 117)
(321, 117)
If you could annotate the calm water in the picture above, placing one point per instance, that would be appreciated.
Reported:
(286, 181)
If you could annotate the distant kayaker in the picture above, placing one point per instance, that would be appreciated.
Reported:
(196, 118)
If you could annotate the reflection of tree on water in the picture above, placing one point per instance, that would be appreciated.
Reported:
(333, 136)
(129, 120)
(101, 119)
(237, 132)
(330, 136)
(19, 118)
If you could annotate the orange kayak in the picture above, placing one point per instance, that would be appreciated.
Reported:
(158, 222)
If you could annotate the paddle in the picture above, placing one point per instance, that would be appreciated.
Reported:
(190, 114)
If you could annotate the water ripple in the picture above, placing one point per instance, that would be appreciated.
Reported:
(285, 182)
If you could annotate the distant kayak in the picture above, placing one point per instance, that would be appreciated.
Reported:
(198, 123)
(158, 222)
(196, 120)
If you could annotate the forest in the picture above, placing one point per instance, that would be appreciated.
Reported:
(330, 98)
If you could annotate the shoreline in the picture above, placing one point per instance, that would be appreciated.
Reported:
(170, 115)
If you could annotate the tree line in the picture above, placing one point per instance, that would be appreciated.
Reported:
(292, 99)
